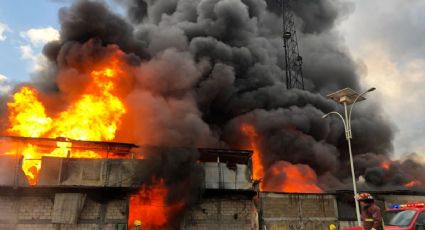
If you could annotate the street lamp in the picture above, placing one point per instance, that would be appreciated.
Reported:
(346, 97)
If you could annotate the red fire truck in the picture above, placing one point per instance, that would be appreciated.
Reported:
(409, 216)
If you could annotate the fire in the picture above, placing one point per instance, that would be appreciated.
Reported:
(150, 206)
(286, 177)
(413, 183)
(27, 114)
(94, 116)
(385, 165)
(257, 163)
(31, 163)
(282, 176)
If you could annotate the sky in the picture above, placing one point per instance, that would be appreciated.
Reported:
(386, 38)
(15, 20)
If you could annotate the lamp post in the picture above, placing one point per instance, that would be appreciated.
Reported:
(346, 97)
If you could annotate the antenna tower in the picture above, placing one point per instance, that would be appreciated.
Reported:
(293, 60)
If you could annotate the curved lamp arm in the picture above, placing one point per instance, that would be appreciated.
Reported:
(352, 105)
(340, 116)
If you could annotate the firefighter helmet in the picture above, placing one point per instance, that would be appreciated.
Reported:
(365, 196)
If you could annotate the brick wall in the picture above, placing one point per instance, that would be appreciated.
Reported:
(34, 212)
(221, 214)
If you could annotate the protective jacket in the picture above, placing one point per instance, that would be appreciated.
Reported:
(372, 218)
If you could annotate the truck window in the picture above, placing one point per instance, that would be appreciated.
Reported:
(388, 215)
(402, 218)
(421, 218)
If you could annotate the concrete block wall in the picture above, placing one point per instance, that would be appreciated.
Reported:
(35, 227)
(297, 211)
(116, 210)
(7, 211)
(276, 211)
(221, 214)
(33, 212)
(91, 210)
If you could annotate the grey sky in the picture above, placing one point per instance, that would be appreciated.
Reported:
(387, 39)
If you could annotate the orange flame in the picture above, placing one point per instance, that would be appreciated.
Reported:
(282, 176)
(27, 115)
(413, 183)
(257, 163)
(95, 116)
(385, 165)
(286, 177)
(150, 207)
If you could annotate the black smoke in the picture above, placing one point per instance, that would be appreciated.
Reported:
(204, 68)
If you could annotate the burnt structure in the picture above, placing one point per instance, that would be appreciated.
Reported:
(228, 199)
(70, 193)
(83, 193)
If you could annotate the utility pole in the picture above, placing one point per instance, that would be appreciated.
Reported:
(346, 97)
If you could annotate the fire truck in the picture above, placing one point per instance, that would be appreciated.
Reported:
(410, 216)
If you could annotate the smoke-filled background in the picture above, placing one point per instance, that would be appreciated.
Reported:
(198, 70)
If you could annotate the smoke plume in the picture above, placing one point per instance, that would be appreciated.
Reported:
(202, 68)
(197, 70)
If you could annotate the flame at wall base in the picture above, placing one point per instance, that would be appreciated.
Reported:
(150, 206)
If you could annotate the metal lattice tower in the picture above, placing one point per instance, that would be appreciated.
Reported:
(293, 61)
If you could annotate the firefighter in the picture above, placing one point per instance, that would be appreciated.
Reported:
(332, 227)
(137, 225)
(370, 212)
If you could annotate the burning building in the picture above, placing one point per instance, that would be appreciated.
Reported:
(111, 192)
(57, 191)
(196, 79)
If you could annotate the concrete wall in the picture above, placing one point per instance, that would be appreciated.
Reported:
(34, 212)
(71, 172)
(221, 176)
(228, 213)
(297, 211)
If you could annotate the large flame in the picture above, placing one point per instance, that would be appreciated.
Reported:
(27, 115)
(150, 207)
(286, 177)
(257, 163)
(94, 116)
(282, 176)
